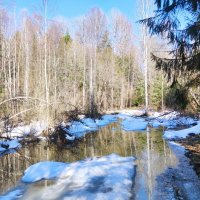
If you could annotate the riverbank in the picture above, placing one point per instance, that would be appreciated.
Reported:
(125, 134)
(192, 145)
(72, 130)
(180, 182)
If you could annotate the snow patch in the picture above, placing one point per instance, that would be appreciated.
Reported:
(80, 128)
(182, 133)
(170, 120)
(43, 170)
(18, 131)
(107, 177)
(35, 128)
(133, 124)
(10, 144)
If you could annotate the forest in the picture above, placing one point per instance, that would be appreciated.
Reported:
(101, 85)
(46, 70)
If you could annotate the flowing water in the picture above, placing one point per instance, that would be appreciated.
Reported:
(151, 150)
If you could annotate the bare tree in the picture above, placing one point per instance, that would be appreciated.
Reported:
(95, 29)
(40, 60)
(145, 12)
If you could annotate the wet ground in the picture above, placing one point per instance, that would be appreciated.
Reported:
(192, 145)
(180, 182)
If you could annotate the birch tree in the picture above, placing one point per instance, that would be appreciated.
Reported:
(122, 40)
(145, 13)
(95, 29)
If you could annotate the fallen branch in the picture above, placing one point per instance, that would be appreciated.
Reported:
(17, 114)
(24, 111)
(16, 98)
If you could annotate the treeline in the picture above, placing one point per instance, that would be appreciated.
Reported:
(45, 70)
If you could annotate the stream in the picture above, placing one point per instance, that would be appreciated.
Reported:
(152, 153)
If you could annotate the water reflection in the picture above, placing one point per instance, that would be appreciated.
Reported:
(151, 162)
(152, 153)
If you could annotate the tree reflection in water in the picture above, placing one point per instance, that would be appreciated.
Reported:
(152, 153)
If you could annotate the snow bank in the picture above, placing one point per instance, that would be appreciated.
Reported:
(170, 120)
(76, 128)
(108, 177)
(18, 131)
(43, 170)
(10, 144)
(80, 128)
(133, 124)
(182, 133)
(34, 128)
(38, 127)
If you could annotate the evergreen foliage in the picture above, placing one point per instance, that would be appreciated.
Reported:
(177, 98)
(68, 39)
(156, 96)
(184, 58)
(138, 99)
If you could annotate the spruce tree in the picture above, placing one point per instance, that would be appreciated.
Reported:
(179, 22)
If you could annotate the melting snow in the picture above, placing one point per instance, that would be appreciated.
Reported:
(133, 124)
(182, 133)
(80, 128)
(43, 170)
(107, 177)
(11, 144)
(35, 128)
(170, 120)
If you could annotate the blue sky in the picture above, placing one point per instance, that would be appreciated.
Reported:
(70, 9)
(73, 8)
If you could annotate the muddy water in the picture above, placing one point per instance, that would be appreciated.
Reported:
(152, 153)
